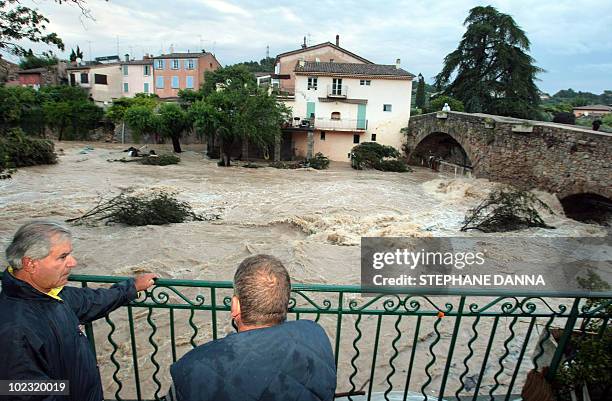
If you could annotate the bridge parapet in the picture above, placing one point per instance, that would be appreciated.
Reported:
(529, 154)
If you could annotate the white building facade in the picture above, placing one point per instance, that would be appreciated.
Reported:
(344, 104)
(102, 81)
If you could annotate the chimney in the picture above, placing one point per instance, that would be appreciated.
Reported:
(301, 62)
(397, 63)
(304, 44)
(146, 56)
(127, 57)
(171, 48)
(337, 40)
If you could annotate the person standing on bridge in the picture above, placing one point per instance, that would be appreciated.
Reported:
(269, 358)
(40, 337)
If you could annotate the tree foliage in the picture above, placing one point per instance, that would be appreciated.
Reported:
(420, 94)
(30, 60)
(173, 120)
(19, 23)
(264, 65)
(491, 69)
(233, 109)
(141, 120)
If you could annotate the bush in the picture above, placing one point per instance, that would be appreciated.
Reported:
(506, 209)
(153, 208)
(437, 103)
(161, 160)
(371, 155)
(564, 118)
(19, 150)
(318, 162)
(393, 165)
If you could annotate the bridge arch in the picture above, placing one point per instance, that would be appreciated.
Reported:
(446, 146)
(588, 207)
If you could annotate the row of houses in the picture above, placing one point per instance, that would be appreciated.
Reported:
(338, 98)
(163, 75)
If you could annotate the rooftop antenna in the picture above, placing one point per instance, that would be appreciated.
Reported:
(89, 41)
(201, 42)
(309, 39)
(118, 45)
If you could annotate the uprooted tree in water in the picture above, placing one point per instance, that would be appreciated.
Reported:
(155, 207)
(506, 209)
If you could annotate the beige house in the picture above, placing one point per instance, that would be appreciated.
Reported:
(596, 110)
(339, 105)
(285, 63)
(103, 82)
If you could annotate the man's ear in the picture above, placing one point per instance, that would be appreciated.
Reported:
(28, 264)
(235, 308)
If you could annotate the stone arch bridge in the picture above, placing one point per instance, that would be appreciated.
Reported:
(567, 160)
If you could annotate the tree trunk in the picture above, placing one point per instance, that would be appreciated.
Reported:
(176, 144)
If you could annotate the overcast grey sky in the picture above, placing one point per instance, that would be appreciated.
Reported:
(571, 40)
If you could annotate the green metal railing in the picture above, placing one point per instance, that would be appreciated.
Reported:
(450, 344)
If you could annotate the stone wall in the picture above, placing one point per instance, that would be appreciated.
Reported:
(557, 158)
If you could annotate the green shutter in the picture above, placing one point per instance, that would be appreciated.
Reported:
(361, 116)
(310, 109)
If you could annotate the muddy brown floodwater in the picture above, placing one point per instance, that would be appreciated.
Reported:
(312, 220)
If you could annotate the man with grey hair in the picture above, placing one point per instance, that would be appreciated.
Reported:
(40, 337)
(268, 358)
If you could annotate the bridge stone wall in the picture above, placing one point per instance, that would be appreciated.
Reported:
(557, 158)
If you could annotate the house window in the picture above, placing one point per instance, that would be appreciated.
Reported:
(322, 135)
(100, 79)
(84, 78)
(175, 82)
(337, 86)
(373, 137)
(189, 83)
(160, 64)
(159, 82)
(386, 107)
(125, 70)
(356, 138)
(312, 83)
(190, 64)
(175, 64)
(335, 115)
(147, 70)
(125, 87)
(365, 82)
(146, 87)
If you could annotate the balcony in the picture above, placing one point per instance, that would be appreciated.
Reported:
(425, 344)
(339, 91)
(332, 124)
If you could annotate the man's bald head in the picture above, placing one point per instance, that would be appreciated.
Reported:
(262, 285)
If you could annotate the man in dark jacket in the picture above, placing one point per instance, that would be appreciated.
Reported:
(40, 337)
(268, 359)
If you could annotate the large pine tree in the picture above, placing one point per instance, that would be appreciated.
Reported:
(491, 70)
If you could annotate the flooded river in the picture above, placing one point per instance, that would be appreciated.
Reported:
(312, 220)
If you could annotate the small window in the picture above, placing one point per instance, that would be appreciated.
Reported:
(175, 82)
(125, 70)
(364, 82)
(175, 64)
(322, 135)
(146, 87)
(356, 138)
(335, 115)
(147, 70)
(126, 87)
(386, 107)
(159, 64)
(210, 65)
(100, 79)
(159, 82)
(84, 78)
(312, 83)
(189, 83)
(190, 64)
(373, 137)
